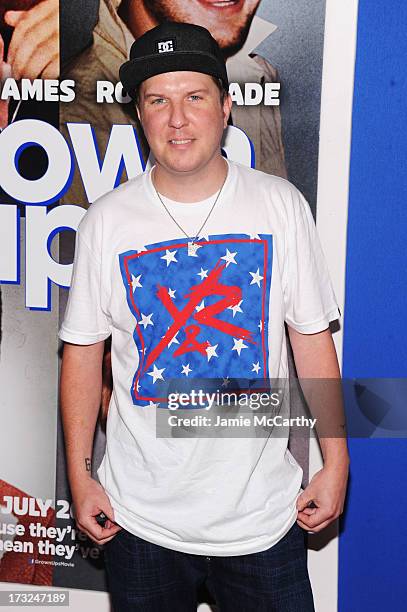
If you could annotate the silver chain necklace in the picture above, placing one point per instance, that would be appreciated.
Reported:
(192, 245)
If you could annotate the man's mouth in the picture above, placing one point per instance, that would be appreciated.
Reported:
(220, 3)
(181, 142)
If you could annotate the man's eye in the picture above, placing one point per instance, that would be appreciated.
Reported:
(158, 101)
(195, 97)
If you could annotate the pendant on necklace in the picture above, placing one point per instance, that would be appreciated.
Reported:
(192, 249)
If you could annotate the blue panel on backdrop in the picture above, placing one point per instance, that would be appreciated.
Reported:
(373, 550)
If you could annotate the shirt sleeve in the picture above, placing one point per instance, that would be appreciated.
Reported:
(85, 321)
(310, 302)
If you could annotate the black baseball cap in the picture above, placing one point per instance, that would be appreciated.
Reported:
(170, 47)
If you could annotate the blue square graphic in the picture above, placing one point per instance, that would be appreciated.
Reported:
(198, 315)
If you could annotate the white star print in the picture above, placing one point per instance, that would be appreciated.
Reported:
(226, 382)
(186, 369)
(138, 386)
(174, 339)
(193, 248)
(211, 351)
(256, 278)
(135, 282)
(171, 293)
(152, 405)
(236, 308)
(260, 325)
(203, 273)
(200, 306)
(238, 345)
(204, 237)
(229, 257)
(156, 374)
(146, 320)
(254, 237)
(169, 257)
(256, 367)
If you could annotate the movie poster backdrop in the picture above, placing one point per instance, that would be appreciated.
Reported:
(69, 133)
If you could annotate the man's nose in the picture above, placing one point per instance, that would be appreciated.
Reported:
(178, 117)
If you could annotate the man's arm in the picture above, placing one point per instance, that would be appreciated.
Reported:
(81, 385)
(315, 358)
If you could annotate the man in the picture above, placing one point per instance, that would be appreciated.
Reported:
(120, 21)
(193, 268)
(238, 31)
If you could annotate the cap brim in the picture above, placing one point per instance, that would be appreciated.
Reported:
(135, 71)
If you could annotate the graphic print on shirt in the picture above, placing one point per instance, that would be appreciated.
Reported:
(198, 315)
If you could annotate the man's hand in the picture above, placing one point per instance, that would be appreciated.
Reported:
(327, 491)
(89, 500)
(34, 46)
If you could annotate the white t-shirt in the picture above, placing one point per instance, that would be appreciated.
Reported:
(166, 310)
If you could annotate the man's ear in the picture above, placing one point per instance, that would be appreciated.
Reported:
(227, 107)
(138, 111)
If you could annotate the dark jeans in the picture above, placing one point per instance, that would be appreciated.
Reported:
(149, 578)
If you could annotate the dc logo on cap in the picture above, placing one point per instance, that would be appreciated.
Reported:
(164, 46)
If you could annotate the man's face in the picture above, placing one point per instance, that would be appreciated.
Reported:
(227, 20)
(183, 119)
